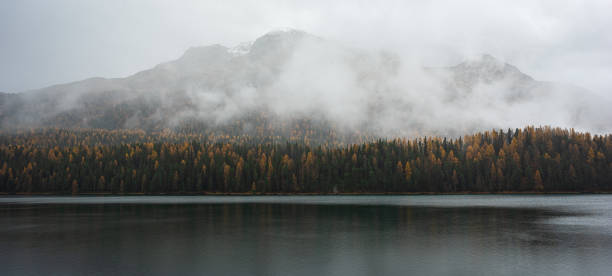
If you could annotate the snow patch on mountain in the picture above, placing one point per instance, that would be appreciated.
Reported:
(290, 74)
(241, 49)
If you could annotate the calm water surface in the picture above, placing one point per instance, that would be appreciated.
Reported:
(307, 235)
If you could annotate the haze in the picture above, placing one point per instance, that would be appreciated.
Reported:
(50, 42)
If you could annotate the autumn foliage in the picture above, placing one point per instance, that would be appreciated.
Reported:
(130, 161)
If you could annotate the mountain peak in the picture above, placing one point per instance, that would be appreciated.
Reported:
(488, 58)
(484, 60)
(487, 68)
(202, 52)
(284, 31)
(285, 34)
(278, 41)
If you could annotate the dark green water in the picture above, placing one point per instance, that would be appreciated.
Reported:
(307, 235)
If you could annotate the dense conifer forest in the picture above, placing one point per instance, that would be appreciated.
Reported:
(533, 159)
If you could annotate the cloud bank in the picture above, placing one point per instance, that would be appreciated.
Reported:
(292, 75)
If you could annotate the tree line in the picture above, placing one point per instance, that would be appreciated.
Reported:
(66, 161)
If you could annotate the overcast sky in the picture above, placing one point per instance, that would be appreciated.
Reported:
(49, 42)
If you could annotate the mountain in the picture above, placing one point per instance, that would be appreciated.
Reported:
(291, 83)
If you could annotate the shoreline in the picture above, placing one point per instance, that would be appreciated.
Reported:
(311, 194)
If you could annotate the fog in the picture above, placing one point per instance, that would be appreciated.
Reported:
(50, 42)
(384, 65)
(293, 74)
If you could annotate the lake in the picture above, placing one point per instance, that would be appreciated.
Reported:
(307, 235)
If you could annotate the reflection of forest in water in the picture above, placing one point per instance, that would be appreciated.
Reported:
(262, 238)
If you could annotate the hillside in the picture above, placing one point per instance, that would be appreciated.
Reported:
(294, 84)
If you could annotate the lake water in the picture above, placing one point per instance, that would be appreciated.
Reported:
(307, 235)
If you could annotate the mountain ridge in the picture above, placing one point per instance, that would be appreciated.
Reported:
(292, 75)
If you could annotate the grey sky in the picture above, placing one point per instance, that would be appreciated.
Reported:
(44, 42)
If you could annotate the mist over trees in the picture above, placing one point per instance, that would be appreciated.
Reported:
(295, 113)
(287, 77)
(119, 162)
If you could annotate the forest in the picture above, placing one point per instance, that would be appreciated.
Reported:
(82, 161)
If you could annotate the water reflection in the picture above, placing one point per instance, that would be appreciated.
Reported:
(297, 239)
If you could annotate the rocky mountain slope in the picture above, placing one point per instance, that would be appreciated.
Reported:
(291, 83)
